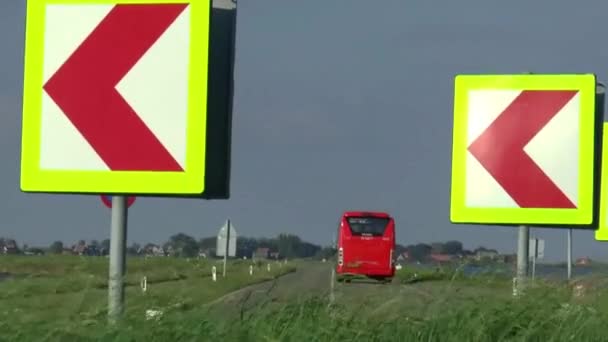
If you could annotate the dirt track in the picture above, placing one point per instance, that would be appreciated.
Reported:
(310, 279)
(379, 300)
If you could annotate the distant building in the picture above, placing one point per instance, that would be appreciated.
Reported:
(261, 253)
(507, 258)
(91, 250)
(274, 255)
(585, 261)
(170, 250)
(404, 257)
(9, 246)
(34, 251)
(441, 258)
(158, 251)
(82, 248)
(79, 247)
(153, 250)
(486, 254)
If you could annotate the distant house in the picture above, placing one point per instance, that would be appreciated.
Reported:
(153, 250)
(79, 247)
(441, 258)
(9, 246)
(486, 254)
(34, 251)
(261, 253)
(170, 251)
(585, 261)
(158, 251)
(92, 250)
(404, 257)
(507, 258)
(84, 249)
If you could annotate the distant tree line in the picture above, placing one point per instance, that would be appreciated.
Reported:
(183, 245)
(283, 246)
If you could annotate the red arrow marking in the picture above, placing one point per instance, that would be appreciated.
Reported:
(84, 87)
(500, 149)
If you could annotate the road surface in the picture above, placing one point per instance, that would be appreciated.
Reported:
(369, 297)
(310, 279)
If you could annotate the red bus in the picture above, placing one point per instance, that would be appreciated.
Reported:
(365, 244)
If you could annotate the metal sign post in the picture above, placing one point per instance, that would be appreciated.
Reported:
(522, 256)
(569, 254)
(118, 246)
(533, 268)
(536, 251)
(227, 246)
(332, 284)
(533, 254)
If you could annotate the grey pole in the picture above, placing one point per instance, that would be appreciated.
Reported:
(332, 284)
(118, 245)
(533, 268)
(569, 253)
(522, 250)
(522, 255)
(227, 246)
(535, 250)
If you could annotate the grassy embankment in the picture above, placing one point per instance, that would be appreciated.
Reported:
(65, 293)
(440, 305)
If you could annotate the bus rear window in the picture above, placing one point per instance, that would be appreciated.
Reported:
(367, 226)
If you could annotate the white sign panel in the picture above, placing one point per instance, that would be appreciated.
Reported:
(536, 249)
(221, 241)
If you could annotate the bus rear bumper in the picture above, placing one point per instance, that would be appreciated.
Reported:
(369, 272)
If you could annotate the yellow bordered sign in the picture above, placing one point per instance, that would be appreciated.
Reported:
(523, 149)
(113, 107)
(601, 234)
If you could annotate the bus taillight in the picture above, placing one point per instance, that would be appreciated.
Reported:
(340, 256)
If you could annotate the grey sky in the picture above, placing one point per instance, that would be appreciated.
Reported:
(338, 105)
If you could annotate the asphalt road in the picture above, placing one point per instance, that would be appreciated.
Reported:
(310, 279)
(368, 297)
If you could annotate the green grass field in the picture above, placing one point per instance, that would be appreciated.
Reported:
(64, 295)
(64, 299)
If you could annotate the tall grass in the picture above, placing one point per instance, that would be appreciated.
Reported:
(541, 315)
(67, 293)
(454, 272)
(478, 308)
